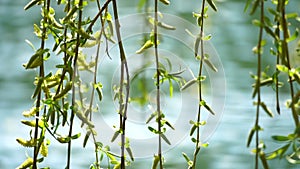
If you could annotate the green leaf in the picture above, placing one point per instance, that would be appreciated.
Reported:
(250, 136)
(76, 136)
(86, 138)
(26, 143)
(26, 164)
(147, 44)
(151, 117)
(212, 5)
(280, 138)
(37, 88)
(166, 2)
(63, 139)
(203, 103)
(189, 162)
(128, 149)
(209, 64)
(166, 26)
(30, 113)
(256, 22)
(207, 37)
(205, 145)
(63, 92)
(116, 134)
(84, 119)
(98, 88)
(165, 139)
(291, 15)
(30, 44)
(291, 160)
(188, 84)
(170, 125)
(254, 7)
(282, 68)
(153, 130)
(270, 32)
(36, 59)
(278, 152)
(266, 109)
(70, 14)
(44, 149)
(247, 5)
(155, 162)
(31, 4)
(293, 37)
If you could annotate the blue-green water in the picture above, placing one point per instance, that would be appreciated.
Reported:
(233, 38)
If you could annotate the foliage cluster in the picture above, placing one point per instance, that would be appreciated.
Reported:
(60, 93)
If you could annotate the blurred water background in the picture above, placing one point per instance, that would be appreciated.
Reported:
(233, 38)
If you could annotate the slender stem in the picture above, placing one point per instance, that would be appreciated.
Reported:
(277, 32)
(286, 54)
(89, 29)
(73, 85)
(157, 84)
(97, 163)
(197, 147)
(259, 49)
(46, 6)
(124, 69)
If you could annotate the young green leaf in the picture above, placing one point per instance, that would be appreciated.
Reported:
(250, 136)
(280, 138)
(188, 84)
(147, 44)
(266, 109)
(187, 159)
(88, 133)
(98, 88)
(212, 5)
(151, 117)
(31, 4)
(165, 139)
(209, 64)
(128, 149)
(62, 93)
(155, 162)
(44, 149)
(26, 164)
(166, 2)
(166, 26)
(26, 143)
(36, 60)
(203, 103)
(115, 136)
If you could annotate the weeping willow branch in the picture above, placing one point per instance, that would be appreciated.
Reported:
(287, 57)
(124, 70)
(73, 84)
(97, 163)
(258, 82)
(197, 144)
(157, 84)
(46, 7)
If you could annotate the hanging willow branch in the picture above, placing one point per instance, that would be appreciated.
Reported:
(124, 81)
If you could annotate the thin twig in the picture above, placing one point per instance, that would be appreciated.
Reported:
(157, 84)
(73, 85)
(259, 53)
(46, 5)
(89, 29)
(197, 147)
(124, 69)
(286, 54)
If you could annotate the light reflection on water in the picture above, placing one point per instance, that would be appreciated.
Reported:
(227, 148)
